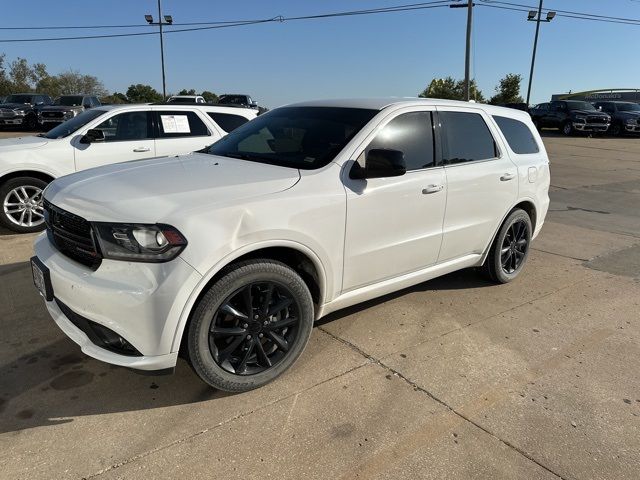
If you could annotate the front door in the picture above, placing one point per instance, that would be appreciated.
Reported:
(394, 225)
(127, 136)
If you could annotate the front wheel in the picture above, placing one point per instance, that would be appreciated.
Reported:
(567, 128)
(250, 326)
(510, 249)
(616, 130)
(22, 209)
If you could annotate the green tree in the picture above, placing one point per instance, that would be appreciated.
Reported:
(508, 90)
(184, 91)
(21, 75)
(5, 83)
(209, 96)
(451, 89)
(140, 93)
(114, 98)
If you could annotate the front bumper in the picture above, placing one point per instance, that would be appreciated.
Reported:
(17, 120)
(141, 302)
(591, 127)
(633, 128)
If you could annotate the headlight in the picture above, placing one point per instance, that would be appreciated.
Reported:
(139, 243)
(20, 111)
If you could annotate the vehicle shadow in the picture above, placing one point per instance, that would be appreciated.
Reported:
(46, 380)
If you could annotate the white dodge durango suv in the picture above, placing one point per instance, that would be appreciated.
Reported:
(101, 136)
(227, 256)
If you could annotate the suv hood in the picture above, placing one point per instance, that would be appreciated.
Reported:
(21, 143)
(629, 114)
(589, 112)
(149, 191)
(13, 106)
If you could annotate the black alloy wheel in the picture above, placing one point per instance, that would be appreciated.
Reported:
(250, 325)
(510, 248)
(252, 330)
(514, 246)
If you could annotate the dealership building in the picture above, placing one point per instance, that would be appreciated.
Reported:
(612, 94)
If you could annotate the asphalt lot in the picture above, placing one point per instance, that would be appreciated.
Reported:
(455, 378)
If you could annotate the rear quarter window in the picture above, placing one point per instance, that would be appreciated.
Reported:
(227, 121)
(519, 137)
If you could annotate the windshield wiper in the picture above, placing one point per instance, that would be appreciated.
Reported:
(246, 156)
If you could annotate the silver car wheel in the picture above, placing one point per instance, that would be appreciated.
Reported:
(23, 206)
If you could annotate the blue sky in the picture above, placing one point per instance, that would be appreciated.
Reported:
(394, 54)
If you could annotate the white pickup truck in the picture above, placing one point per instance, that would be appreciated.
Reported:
(100, 136)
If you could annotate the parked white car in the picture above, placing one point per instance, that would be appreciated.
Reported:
(186, 99)
(101, 136)
(229, 255)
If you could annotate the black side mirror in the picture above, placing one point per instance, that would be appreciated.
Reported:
(92, 136)
(380, 163)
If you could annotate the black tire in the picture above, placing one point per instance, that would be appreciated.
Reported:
(567, 128)
(31, 183)
(31, 122)
(221, 364)
(616, 130)
(509, 237)
(536, 124)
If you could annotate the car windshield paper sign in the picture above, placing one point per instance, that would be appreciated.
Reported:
(175, 124)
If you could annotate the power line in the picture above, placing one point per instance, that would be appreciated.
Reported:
(560, 13)
(216, 25)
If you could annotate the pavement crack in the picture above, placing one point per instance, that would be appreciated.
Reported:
(219, 425)
(441, 402)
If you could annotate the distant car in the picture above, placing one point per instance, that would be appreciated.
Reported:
(569, 116)
(240, 100)
(2, 99)
(65, 108)
(625, 116)
(188, 99)
(101, 136)
(21, 109)
(517, 106)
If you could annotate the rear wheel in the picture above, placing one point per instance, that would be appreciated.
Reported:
(510, 249)
(250, 326)
(22, 209)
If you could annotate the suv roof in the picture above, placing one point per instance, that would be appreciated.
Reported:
(211, 107)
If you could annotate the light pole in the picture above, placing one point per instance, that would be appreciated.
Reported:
(536, 17)
(467, 55)
(168, 20)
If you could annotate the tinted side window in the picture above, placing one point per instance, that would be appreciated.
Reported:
(227, 121)
(127, 126)
(173, 124)
(466, 138)
(412, 134)
(518, 135)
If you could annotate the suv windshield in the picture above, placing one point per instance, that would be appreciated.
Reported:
(628, 107)
(70, 101)
(233, 99)
(19, 99)
(295, 137)
(67, 128)
(575, 105)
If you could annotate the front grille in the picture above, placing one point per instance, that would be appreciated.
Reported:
(52, 114)
(596, 119)
(72, 236)
(5, 112)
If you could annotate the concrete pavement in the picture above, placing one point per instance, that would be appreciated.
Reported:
(453, 378)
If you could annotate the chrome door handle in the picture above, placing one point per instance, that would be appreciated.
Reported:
(142, 149)
(507, 176)
(432, 189)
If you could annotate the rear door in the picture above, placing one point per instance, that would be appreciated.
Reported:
(127, 136)
(181, 131)
(482, 181)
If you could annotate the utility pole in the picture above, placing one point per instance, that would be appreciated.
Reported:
(467, 56)
(536, 17)
(168, 20)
